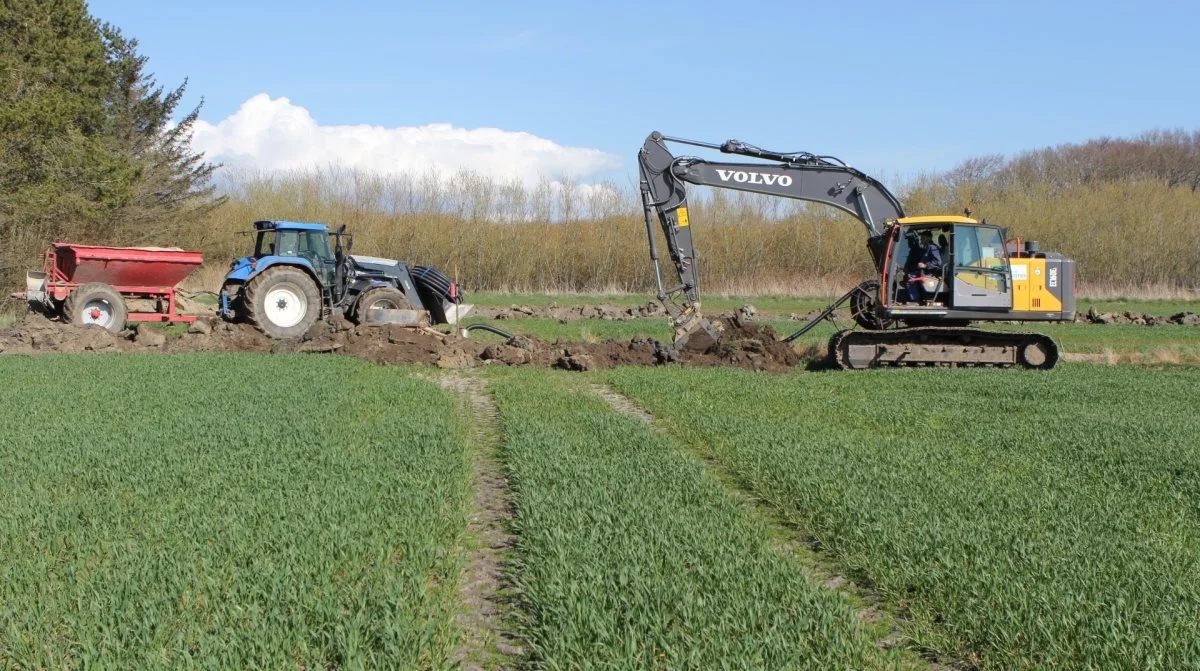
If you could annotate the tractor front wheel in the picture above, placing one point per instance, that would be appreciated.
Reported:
(282, 302)
(96, 304)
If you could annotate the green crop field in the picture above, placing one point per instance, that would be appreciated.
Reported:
(290, 511)
(226, 512)
(1020, 520)
(632, 558)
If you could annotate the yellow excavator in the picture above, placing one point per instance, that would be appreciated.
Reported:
(935, 274)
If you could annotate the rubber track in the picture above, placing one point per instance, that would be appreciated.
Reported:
(841, 341)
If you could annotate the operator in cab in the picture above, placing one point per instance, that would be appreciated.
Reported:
(929, 264)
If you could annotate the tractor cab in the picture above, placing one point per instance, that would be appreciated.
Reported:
(310, 242)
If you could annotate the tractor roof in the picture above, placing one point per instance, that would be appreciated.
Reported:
(288, 225)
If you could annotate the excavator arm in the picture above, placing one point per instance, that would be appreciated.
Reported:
(800, 176)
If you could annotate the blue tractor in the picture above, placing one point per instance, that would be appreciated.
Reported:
(295, 277)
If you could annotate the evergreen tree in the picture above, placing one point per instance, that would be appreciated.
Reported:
(87, 148)
(173, 184)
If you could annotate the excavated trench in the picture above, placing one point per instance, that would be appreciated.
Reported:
(746, 345)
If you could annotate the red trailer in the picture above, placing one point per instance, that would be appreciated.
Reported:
(89, 285)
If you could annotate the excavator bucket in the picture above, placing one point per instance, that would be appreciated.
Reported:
(696, 334)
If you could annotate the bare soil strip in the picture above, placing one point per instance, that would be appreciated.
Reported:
(789, 539)
(487, 643)
(745, 345)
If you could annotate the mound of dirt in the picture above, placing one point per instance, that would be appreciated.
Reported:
(746, 344)
(749, 344)
(35, 333)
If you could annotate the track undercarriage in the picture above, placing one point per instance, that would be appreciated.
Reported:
(942, 347)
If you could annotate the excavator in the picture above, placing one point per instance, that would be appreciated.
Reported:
(910, 313)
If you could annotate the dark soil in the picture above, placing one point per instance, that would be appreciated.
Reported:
(745, 344)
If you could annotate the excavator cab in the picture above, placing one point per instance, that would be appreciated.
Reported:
(975, 272)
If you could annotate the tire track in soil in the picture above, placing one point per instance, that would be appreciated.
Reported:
(795, 542)
(487, 642)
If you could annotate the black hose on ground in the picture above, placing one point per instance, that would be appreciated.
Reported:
(489, 328)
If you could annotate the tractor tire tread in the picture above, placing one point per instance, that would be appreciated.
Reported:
(260, 284)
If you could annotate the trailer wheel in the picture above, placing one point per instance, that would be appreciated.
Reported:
(282, 302)
(380, 298)
(96, 304)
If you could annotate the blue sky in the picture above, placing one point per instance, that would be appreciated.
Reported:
(893, 88)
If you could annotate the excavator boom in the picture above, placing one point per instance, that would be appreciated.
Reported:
(800, 176)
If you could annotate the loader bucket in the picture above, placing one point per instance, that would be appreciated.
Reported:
(412, 318)
(454, 313)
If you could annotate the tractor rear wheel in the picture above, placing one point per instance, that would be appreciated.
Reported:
(96, 304)
(282, 302)
(380, 298)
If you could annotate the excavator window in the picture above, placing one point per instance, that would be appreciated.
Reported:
(979, 247)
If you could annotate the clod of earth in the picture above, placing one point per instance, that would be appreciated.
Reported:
(200, 327)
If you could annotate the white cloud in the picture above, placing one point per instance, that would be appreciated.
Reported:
(272, 134)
